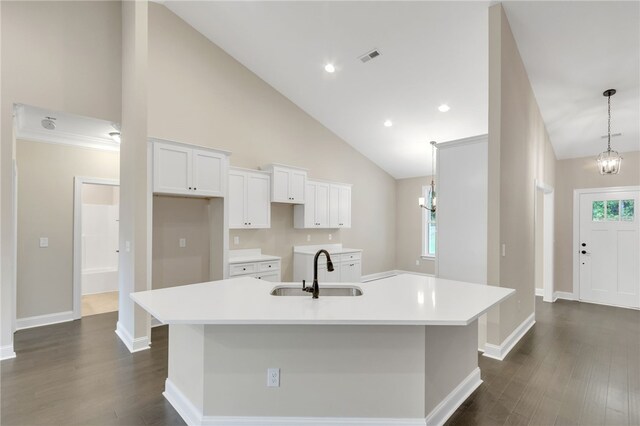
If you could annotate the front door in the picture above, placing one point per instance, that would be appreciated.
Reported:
(609, 246)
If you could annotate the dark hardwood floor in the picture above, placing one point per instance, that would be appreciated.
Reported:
(80, 373)
(580, 364)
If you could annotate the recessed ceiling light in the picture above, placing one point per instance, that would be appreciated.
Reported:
(444, 108)
(388, 123)
(329, 68)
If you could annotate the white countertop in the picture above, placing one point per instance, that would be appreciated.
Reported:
(401, 300)
(249, 255)
(331, 248)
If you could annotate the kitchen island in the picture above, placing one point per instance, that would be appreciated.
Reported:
(403, 352)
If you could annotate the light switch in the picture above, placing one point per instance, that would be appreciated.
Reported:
(44, 242)
(504, 250)
(183, 242)
(417, 262)
(236, 240)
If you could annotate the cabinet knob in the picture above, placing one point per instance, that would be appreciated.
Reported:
(194, 188)
(269, 266)
(189, 187)
(244, 269)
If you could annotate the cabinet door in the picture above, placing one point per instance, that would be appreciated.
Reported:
(344, 207)
(297, 183)
(350, 272)
(271, 276)
(280, 183)
(340, 206)
(172, 169)
(310, 206)
(258, 209)
(208, 169)
(237, 199)
(322, 205)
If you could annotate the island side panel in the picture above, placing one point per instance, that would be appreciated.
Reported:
(325, 371)
(451, 359)
(186, 364)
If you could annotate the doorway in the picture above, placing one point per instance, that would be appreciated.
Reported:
(607, 246)
(96, 230)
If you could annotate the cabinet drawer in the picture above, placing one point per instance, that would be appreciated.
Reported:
(348, 257)
(269, 266)
(242, 269)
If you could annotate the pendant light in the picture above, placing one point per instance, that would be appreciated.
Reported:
(432, 190)
(609, 161)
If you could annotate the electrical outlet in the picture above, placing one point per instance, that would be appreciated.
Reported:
(308, 237)
(417, 262)
(330, 237)
(44, 242)
(504, 250)
(236, 240)
(127, 246)
(183, 242)
(273, 377)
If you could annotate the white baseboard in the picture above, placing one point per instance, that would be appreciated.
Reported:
(564, 295)
(134, 345)
(439, 415)
(388, 274)
(193, 416)
(40, 320)
(499, 352)
(6, 352)
(539, 292)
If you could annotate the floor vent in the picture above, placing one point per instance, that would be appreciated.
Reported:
(369, 56)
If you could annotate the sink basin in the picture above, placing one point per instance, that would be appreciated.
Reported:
(324, 291)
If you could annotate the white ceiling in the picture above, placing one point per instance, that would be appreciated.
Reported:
(573, 51)
(70, 129)
(431, 53)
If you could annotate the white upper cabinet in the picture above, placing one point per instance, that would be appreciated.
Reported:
(315, 211)
(340, 206)
(186, 170)
(287, 184)
(327, 205)
(249, 199)
(172, 169)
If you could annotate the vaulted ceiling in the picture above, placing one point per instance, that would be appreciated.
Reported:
(434, 53)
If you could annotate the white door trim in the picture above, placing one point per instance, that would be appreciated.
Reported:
(576, 228)
(78, 181)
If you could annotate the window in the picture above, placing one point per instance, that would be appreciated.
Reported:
(429, 230)
(612, 210)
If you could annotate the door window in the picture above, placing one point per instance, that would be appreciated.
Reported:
(612, 210)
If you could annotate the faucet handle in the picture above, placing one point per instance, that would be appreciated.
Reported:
(304, 285)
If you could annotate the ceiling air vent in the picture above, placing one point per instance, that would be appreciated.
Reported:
(369, 56)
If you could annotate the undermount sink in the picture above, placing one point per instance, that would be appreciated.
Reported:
(324, 291)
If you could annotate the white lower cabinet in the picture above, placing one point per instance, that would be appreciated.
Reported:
(268, 270)
(350, 272)
(346, 267)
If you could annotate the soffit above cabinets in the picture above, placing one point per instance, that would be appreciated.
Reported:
(70, 129)
(430, 53)
(574, 51)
